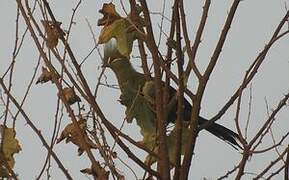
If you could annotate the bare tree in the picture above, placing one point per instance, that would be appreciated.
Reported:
(149, 97)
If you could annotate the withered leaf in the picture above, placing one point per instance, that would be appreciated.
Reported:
(104, 175)
(45, 76)
(86, 171)
(71, 134)
(109, 14)
(70, 95)
(52, 34)
(122, 31)
(10, 147)
(117, 27)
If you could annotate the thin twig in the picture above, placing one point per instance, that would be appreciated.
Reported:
(34, 128)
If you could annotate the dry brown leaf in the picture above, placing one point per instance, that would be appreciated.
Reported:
(45, 76)
(121, 30)
(86, 171)
(52, 34)
(109, 14)
(71, 134)
(115, 26)
(70, 95)
(92, 171)
(10, 147)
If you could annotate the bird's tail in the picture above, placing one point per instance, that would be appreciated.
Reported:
(223, 133)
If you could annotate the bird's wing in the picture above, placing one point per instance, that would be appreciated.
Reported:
(149, 93)
(218, 130)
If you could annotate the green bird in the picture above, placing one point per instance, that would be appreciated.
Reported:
(138, 95)
(130, 83)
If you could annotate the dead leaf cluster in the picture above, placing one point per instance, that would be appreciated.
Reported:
(120, 28)
(71, 134)
(69, 93)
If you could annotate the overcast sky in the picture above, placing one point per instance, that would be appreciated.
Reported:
(253, 26)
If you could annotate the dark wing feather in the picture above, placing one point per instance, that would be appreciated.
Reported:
(216, 129)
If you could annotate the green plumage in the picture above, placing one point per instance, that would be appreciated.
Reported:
(131, 83)
(137, 95)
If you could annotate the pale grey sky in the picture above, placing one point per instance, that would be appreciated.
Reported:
(253, 26)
